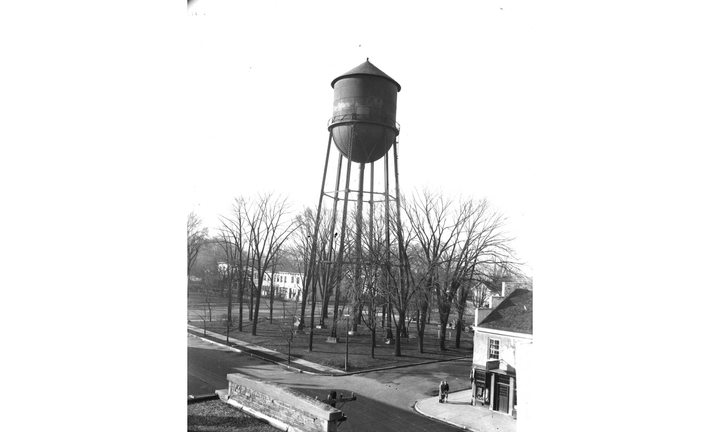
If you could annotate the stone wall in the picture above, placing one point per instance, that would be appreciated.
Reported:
(298, 411)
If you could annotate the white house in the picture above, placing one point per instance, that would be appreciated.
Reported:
(500, 339)
(287, 284)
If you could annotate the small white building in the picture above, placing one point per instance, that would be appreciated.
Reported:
(502, 337)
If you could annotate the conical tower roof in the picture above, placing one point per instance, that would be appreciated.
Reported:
(366, 68)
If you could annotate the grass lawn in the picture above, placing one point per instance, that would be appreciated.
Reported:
(269, 335)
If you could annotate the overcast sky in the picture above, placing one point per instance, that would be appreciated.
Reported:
(261, 94)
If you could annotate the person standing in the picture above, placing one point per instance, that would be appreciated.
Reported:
(445, 391)
(441, 391)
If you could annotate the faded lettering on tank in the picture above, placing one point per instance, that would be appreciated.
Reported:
(342, 106)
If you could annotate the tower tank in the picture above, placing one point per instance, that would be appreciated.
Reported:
(366, 98)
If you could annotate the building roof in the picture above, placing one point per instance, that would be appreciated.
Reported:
(514, 314)
(366, 68)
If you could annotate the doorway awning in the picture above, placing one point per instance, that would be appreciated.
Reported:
(500, 367)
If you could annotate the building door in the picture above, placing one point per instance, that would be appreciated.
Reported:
(503, 396)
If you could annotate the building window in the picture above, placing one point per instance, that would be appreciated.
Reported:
(494, 349)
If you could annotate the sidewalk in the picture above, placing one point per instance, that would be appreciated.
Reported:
(458, 412)
(267, 354)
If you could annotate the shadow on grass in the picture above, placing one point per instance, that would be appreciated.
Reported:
(359, 346)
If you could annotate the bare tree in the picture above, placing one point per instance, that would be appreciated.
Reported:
(324, 275)
(457, 239)
(269, 226)
(417, 273)
(254, 290)
(286, 329)
(210, 263)
(196, 238)
(299, 253)
(233, 241)
(399, 287)
(272, 292)
(374, 276)
(207, 266)
(488, 281)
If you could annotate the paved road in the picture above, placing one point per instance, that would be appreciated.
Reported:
(385, 398)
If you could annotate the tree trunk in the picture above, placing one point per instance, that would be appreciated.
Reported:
(398, 329)
(358, 318)
(301, 324)
(251, 303)
(229, 318)
(241, 290)
(459, 328)
(336, 308)
(324, 303)
(372, 344)
(429, 308)
(443, 327)
(313, 302)
(421, 326)
(257, 305)
(272, 295)
(390, 317)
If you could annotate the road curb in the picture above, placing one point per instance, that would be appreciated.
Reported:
(415, 408)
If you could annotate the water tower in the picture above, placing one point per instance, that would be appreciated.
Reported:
(364, 129)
